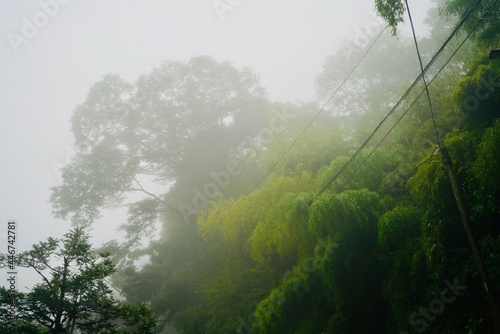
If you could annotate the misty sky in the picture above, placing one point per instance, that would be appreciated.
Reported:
(44, 77)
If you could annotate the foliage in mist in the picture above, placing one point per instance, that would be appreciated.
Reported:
(287, 244)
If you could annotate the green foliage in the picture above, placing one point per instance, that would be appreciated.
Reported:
(483, 23)
(398, 225)
(382, 259)
(392, 11)
(486, 164)
(174, 128)
(292, 306)
(478, 94)
(284, 231)
(318, 145)
(303, 249)
(366, 172)
(332, 214)
(74, 295)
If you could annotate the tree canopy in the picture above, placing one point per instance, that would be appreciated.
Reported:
(73, 296)
(295, 218)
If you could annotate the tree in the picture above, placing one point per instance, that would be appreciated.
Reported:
(74, 296)
(165, 147)
(175, 127)
(392, 11)
(484, 23)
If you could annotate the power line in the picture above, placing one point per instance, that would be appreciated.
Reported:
(412, 86)
(319, 111)
(377, 128)
(407, 110)
(411, 105)
(416, 99)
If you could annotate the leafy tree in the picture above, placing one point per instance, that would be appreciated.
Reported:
(488, 155)
(74, 296)
(477, 95)
(483, 23)
(335, 285)
(392, 11)
(174, 127)
(174, 130)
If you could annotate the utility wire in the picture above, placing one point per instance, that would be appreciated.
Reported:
(416, 99)
(412, 104)
(358, 151)
(350, 161)
(319, 111)
(421, 75)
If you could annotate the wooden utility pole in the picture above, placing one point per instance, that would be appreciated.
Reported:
(494, 309)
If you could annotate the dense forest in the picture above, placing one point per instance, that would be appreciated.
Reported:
(248, 215)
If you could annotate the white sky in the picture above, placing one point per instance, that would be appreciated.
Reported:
(285, 41)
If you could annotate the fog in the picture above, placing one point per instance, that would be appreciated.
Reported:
(45, 76)
(245, 80)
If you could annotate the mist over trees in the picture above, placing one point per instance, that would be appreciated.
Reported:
(249, 215)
